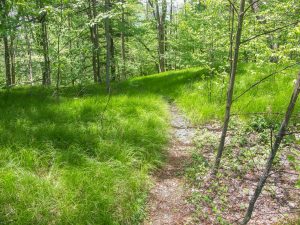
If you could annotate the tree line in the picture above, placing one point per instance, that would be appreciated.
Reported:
(75, 41)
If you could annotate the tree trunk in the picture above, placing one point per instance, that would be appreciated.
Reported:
(46, 72)
(123, 42)
(58, 77)
(29, 53)
(45, 46)
(70, 49)
(4, 15)
(231, 26)
(95, 41)
(161, 19)
(147, 10)
(7, 61)
(112, 55)
(231, 86)
(273, 152)
(161, 47)
(12, 60)
(108, 45)
(170, 66)
(94, 57)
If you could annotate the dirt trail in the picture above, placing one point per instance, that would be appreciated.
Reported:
(168, 198)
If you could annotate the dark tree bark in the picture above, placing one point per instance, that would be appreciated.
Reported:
(7, 61)
(108, 45)
(45, 45)
(12, 60)
(4, 17)
(273, 152)
(161, 35)
(231, 86)
(58, 77)
(160, 17)
(95, 41)
(112, 55)
(70, 49)
(123, 42)
(170, 63)
(231, 27)
(29, 53)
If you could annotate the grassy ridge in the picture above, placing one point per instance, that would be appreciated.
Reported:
(203, 96)
(73, 162)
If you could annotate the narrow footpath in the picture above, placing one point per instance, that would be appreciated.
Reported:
(168, 198)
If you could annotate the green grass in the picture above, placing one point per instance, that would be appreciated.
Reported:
(72, 162)
(190, 90)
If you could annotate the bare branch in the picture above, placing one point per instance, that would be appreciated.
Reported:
(270, 31)
(233, 6)
(291, 133)
(253, 3)
(148, 50)
(153, 10)
(263, 79)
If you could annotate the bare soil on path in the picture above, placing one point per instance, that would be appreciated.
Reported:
(168, 198)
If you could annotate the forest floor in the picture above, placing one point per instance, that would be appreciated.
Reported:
(224, 199)
(168, 198)
(183, 192)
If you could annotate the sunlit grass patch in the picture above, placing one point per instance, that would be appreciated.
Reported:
(79, 159)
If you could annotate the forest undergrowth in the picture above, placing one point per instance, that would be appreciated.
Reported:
(87, 156)
(224, 199)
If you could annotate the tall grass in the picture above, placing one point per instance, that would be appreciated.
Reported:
(80, 160)
(71, 162)
(203, 96)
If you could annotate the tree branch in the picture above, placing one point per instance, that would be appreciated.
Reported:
(233, 6)
(263, 79)
(269, 31)
(148, 50)
(153, 10)
(253, 3)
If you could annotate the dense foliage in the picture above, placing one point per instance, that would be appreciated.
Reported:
(196, 34)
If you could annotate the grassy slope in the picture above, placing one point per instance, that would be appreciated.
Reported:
(190, 90)
(70, 163)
